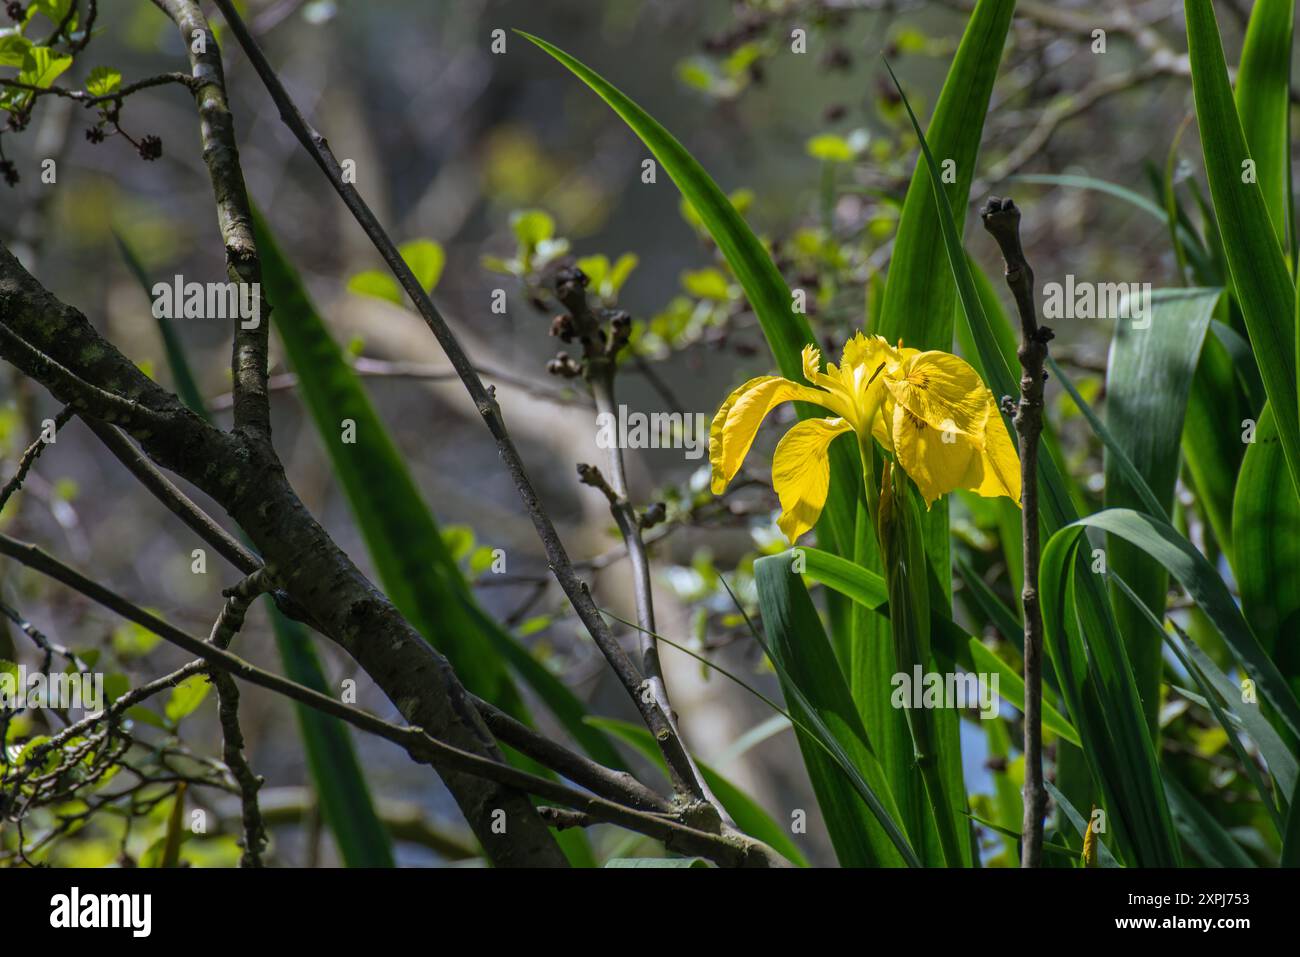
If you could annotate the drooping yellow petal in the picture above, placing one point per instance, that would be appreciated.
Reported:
(937, 461)
(943, 391)
(1000, 465)
(801, 473)
(737, 421)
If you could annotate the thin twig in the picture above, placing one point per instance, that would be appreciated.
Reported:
(420, 371)
(1002, 220)
(600, 350)
(224, 630)
(615, 785)
(29, 457)
(85, 98)
(176, 501)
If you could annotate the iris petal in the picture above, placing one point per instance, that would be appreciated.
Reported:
(801, 473)
(943, 391)
(734, 427)
(1001, 464)
(937, 461)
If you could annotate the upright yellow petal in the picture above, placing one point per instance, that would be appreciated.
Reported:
(737, 421)
(838, 399)
(801, 473)
(865, 361)
(864, 350)
(943, 391)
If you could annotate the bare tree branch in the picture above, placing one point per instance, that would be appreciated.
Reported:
(234, 213)
(1002, 220)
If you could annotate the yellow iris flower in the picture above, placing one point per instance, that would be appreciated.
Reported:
(929, 410)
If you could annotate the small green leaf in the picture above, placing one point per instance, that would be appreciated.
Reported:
(531, 626)
(595, 268)
(116, 685)
(146, 716)
(693, 74)
(379, 285)
(132, 641)
(621, 269)
(707, 284)
(176, 831)
(103, 80)
(532, 226)
(54, 11)
(14, 49)
(426, 259)
(480, 560)
(186, 697)
(42, 66)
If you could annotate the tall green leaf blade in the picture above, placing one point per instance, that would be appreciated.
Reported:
(186, 387)
(864, 832)
(1291, 838)
(1267, 549)
(554, 693)
(411, 557)
(1007, 801)
(1148, 379)
(994, 364)
(907, 576)
(1256, 260)
(345, 801)
(1093, 183)
(1080, 823)
(919, 292)
(1213, 685)
(1207, 838)
(786, 330)
(1263, 98)
(1059, 507)
(1203, 584)
(1211, 440)
(1097, 682)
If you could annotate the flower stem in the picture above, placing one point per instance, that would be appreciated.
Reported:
(904, 563)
